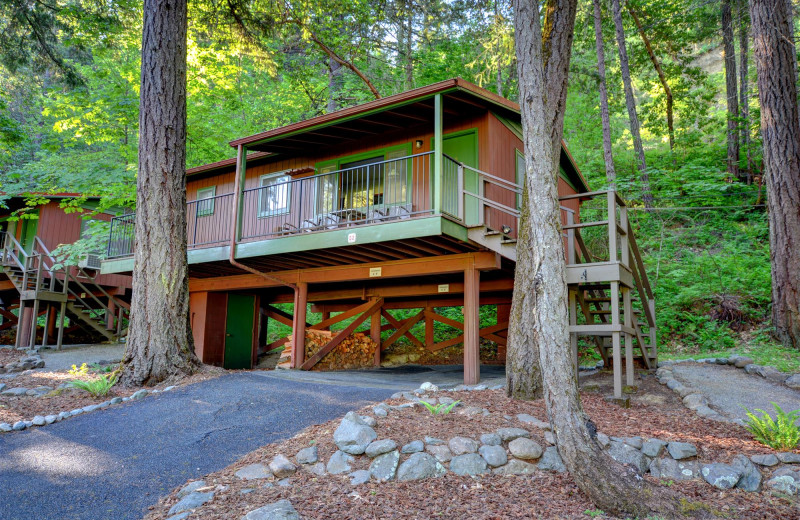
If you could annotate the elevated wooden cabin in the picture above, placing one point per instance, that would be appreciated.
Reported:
(32, 281)
(409, 201)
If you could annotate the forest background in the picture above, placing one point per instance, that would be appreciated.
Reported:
(69, 95)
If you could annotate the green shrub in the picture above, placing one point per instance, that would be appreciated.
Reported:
(780, 433)
(439, 409)
(97, 387)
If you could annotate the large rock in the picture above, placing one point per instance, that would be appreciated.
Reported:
(653, 447)
(316, 469)
(340, 463)
(681, 450)
(793, 381)
(14, 392)
(493, 455)
(308, 455)
(626, 454)
(280, 510)
(442, 453)
(419, 466)
(190, 488)
(671, 469)
(469, 464)
(413, 447)
(742, 362)
(193, 500)
(768, 459)
(254, 472)
(359, 476)
(694, 401)
(462, 445)
(353, 435)
(5, 427)
(509, 434)
(384, 466)
(281, 466)
(788, 457)
(380, 447)
(39, 420)
(491, 439)
(551, 461)
(525, 449)
(516, 467)
(722, 476)
(751, 477)
(788, 483)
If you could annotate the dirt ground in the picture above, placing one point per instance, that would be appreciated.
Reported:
(654, 412)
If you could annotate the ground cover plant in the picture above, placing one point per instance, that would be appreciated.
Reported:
(781, 433)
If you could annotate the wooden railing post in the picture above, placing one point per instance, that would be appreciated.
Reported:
(481, 204)
(623, 223)
(238, 206)
(438, 156)
(612, 226)
(460, 192)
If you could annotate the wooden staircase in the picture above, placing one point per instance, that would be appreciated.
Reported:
(54, 290)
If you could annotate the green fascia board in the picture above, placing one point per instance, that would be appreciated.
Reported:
(454, 229)
(117, 265)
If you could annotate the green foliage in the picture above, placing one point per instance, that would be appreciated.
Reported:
(80, 371)
(594, 513)
(98, 387)
(781, 433)
(439, 409)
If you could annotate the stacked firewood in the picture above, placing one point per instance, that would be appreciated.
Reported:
(355, 351)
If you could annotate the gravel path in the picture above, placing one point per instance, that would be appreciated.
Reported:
(116, 462)
(728, 389)
(77, 354)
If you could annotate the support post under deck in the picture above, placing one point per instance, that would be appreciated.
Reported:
(375, 335)
(299, 325)
(472, 360)
(438, 157)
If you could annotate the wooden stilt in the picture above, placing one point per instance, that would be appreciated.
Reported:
(375, 335)
(299, 325)
(34, 319)
(615, 338)
(61, 317)
(110, 313)
(628, 311)
(472, 360)
(21, 325)
(52, 316)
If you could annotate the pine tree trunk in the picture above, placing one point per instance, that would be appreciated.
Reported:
(731, 94)
(661, 77)
(612, 487)
(523, 375)
(630, 102)
(776, 68)
(499, 76)
(608, 157)
(409, 10)
(160, 341)
(744, 86)
(334, 84)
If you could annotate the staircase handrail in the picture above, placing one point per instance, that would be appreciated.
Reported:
(8, 250)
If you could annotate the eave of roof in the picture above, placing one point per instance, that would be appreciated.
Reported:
(224, 164)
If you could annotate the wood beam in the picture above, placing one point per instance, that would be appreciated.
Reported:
(375, 335)
(394, 324)
(403, 329)
(299, 325)
(325, 324)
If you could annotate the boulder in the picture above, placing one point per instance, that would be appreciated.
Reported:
(686, 390)
(751, 476)
(549, 438)
(413, 447)
(491, 439)
(139, 394)
(671, 469)
(742, 362)
(281, 466)
(308, 455)
(340, 463)
(788, 457)
(469, 464)
(358, 477)
(316, 469)
(369, 421)
(722, 476)
(603, 440)
(380, 447)
(280, 510)
(191, 487)
(493, 455)
(19, 425)
(653, 447)
(384, 466)
(509, 434)
(14, 392)
(442, 453)
(551, 460)
(254, 472)
(5, 427)
(462, 445)
(353, 435)
(693, 401)
(526, 449)
(38, 421)
(516, 467)
(634, 442)
(193, 500)
(433, 441)
(427, 386)
(785, 484)
(681, 450)
(420, 466)
(765, 460)
(625, 454)
(793, 381)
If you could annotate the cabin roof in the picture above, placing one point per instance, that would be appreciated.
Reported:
(379, 116)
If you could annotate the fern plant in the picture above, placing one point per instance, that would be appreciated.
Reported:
(781, 433)
(98, 387)
(439, 409)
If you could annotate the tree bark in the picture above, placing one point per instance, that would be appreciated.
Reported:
(661, 77)
(499, 76)
(630, 102)
(776, 67)
(608, 157)
(613, 487)
(334, 84)
(731, 93)
(160, 343)
(744, 87)
(409, 51)
(523, 374)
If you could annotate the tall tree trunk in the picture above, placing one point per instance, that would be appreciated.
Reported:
(731, 94)
(334, 84)
(608, 157)
(776, 67)
(630, 102)
(523, 374)
(744, 87)
(661, 77)
(409, 46)
(614, 488)
(499, 77)
(160, 341)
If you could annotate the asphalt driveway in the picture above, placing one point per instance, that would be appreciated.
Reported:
(114, 463)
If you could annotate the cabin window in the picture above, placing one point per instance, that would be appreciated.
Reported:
(205, 201)
(396, 177)
(326, 189)
(520, 175)
(362, 182)
(275, 190)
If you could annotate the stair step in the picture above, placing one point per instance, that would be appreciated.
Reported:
(508, 241)
(490, 233)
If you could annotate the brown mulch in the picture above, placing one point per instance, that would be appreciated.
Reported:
(13, 409)
(10, 355)
(654, 412)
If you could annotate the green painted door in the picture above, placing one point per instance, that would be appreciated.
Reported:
(28, 233)
(239, 331)
(463, 147)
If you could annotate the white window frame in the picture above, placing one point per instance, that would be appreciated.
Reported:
(207, 208)
(264, 213)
